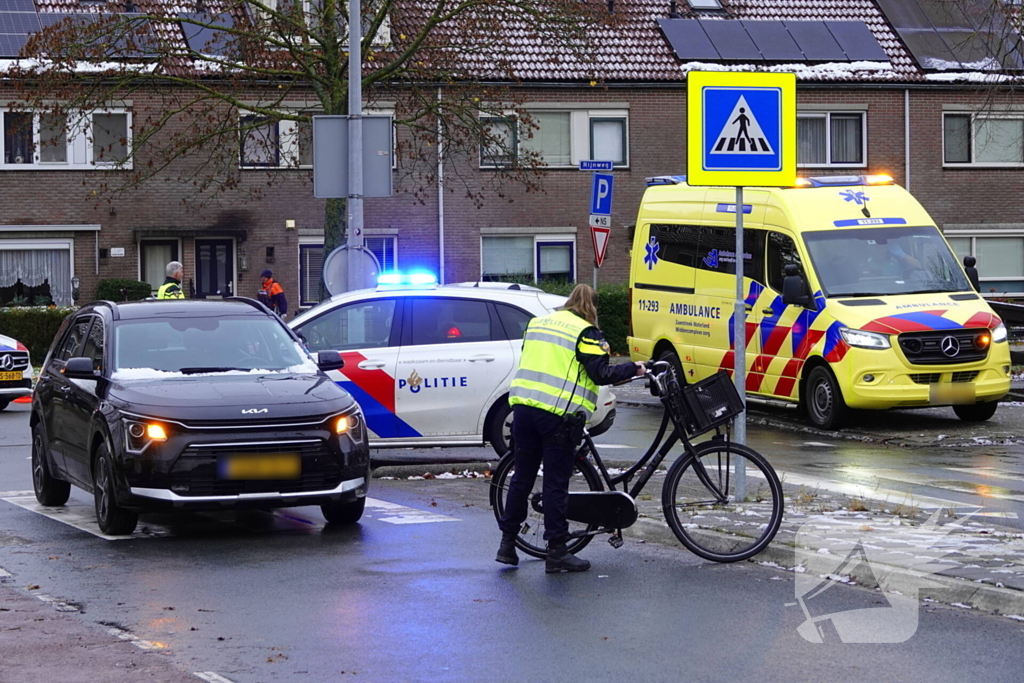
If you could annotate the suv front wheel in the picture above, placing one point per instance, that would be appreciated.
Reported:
(113, 519)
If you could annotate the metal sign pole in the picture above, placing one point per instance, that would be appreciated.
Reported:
(355, 145)
(740, 352)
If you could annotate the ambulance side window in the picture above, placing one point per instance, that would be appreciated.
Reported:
(449, 321)
(718, 247)
(677, 243)
(365, 324)
(781, 252)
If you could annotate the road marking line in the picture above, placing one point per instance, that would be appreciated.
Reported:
(59, 604)
(75, 514)
(135, 640)
(864, 491)
(401, 514)
(988, 472)
(16, 494)
(960, 487)
(211, 676)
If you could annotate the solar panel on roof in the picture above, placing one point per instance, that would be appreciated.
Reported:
(10, 45)
(19, 22)
(971, 49)
(206, 40)
(17, 6)
(731, 40)
(816, 41)
(944, 14)
(688, 39)
(857, 41)
(773, 40)
(904, 14)
(929, 49)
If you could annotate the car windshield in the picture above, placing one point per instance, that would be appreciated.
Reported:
(191, 346)
(882, 261)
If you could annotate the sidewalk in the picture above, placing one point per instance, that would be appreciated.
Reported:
(40, 642)
(965, 561)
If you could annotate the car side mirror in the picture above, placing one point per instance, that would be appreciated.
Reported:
(330, 360)
(794, 290)
(80, 368)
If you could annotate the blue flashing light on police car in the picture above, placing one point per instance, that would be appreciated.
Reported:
(407, 279)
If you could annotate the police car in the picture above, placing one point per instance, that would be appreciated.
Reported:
(15, 371)
(430, 364)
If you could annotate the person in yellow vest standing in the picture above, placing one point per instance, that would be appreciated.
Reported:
(171, 288)
(554, 393)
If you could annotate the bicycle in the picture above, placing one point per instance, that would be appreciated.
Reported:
(707, 516)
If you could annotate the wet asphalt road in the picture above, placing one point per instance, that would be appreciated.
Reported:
(262, 597)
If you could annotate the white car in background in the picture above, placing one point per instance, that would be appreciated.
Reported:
(15, 371)
(431, 365)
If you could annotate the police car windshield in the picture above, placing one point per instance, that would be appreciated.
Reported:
(145, 348)
(884, 261)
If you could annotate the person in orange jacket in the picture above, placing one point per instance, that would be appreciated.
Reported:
(272, 294)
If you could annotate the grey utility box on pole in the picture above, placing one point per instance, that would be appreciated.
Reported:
(330, 156)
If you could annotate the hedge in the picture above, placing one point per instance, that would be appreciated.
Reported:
(33, 326)
(612, 311)
(122, 289)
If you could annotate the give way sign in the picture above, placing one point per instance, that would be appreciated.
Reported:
(600, 237)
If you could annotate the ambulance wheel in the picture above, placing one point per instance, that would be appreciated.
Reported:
(499, 428)
(670, 357)
(823, 400)
(977, 412)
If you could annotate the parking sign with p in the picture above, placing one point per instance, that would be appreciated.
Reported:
(601, 196)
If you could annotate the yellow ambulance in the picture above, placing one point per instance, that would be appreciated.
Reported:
(853, 297)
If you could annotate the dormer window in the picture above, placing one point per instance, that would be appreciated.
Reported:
(705, 4)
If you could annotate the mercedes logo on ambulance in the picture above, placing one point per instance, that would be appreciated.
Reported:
(950, 346)
(6, 362)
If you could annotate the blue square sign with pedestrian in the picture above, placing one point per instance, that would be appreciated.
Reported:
(742, 129)
(601, 195)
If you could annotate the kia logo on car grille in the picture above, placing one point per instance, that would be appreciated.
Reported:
(6, 362)
(257, 411)
(950, 346)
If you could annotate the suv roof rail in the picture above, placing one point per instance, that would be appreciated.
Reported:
(115, 314)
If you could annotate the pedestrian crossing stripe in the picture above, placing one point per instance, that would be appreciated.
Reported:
(742, 134)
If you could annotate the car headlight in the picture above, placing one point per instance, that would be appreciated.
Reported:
(140, 434)
(999, 333)
(864, 339)
(346, 424)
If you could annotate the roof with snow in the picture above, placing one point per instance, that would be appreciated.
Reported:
(820, 40)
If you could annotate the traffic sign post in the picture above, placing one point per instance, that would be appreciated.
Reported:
(742, 131)
(600, 210)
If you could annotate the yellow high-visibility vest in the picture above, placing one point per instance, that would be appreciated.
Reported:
(549, 375)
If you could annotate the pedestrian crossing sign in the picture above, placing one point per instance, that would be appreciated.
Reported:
(741, 129)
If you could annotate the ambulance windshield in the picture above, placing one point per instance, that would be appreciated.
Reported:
(883, 261)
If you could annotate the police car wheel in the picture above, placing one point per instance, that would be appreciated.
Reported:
(978, 412)
(499, 429)
(823, 400)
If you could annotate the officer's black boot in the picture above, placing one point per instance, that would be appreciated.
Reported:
(507, 549)
(561, 560)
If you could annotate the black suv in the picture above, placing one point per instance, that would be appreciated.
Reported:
(197, 405)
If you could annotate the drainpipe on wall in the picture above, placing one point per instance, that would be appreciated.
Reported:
(906, 138)
(440, 191)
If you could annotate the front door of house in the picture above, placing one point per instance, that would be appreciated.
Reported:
(215, 268)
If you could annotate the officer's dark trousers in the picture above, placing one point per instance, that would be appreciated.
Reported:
(539, 436)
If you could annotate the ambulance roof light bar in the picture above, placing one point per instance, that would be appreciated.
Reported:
(408, 280)
(844, 180)
(666, 180)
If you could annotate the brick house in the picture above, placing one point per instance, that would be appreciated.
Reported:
(881, 89)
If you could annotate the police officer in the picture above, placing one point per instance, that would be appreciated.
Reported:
(554, 392)
(171, 288)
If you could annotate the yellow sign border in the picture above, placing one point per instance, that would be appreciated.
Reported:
(695, 173)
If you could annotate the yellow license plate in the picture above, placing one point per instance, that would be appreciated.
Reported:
(262, 466)
(10, 376)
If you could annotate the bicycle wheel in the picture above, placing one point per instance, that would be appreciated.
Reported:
(531, 534)
(702, 505)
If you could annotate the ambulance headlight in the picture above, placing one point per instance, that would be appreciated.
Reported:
(864, 339)
(999, 333)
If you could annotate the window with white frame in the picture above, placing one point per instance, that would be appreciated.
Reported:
(36, 272)
(527, 258)
(1000, 259)
(982, 140)
(261, 142)
(268, 143)
(311, 261)
(33, 141)
(831, 139)
(559, 138)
